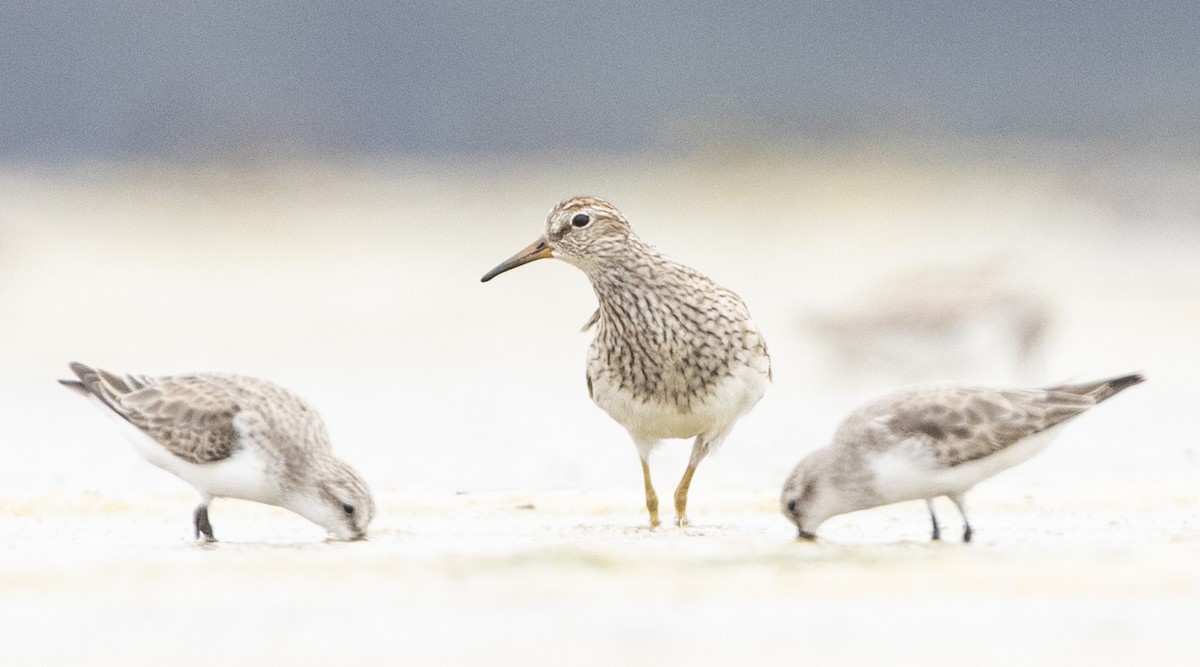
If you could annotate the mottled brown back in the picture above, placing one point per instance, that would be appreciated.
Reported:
(959, 424)
(190, 415)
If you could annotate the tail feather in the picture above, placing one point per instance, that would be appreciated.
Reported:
(101, 384)
(114, 383)
(89, 378)
(75, 386)
(1102, 390)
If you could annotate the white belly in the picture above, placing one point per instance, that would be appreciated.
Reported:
(243, 475)
(901, 476)
(650, 420)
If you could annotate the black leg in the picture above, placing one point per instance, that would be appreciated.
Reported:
(200, 519)
(937, 532)
(962, 509)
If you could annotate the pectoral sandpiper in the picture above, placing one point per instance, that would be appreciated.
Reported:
(674, 354)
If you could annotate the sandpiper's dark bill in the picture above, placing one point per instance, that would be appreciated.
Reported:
(539, 249)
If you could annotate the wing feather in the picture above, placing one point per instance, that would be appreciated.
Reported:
(961, 424)
(190, 415)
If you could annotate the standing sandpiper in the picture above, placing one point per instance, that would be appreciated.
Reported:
(675, 355)
(930, 440)
(235, 437)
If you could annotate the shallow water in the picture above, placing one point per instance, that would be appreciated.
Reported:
(510, 523)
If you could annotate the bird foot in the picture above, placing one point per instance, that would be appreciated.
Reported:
(203, 527)
(682, 521)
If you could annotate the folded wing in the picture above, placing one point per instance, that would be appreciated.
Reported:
(188, 414)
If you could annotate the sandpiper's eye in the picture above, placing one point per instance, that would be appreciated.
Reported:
(348, 509)
(580, 220)
(792, 506)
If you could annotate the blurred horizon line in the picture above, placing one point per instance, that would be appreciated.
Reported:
(960, 147)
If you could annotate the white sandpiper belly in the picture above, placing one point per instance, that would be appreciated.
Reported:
(902, 473)
(730, 399)
(242, 475)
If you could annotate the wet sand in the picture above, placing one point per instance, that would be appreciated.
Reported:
(549, 577)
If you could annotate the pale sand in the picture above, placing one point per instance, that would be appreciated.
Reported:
(556, 577)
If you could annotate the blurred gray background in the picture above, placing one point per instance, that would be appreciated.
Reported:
(223, 78)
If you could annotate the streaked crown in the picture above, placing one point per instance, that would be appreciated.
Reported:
(582, 228)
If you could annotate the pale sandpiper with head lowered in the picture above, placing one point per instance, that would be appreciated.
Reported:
(930, 440)
(235, 437)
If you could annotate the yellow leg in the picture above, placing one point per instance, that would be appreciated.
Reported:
(681, 496)
(651, 496)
